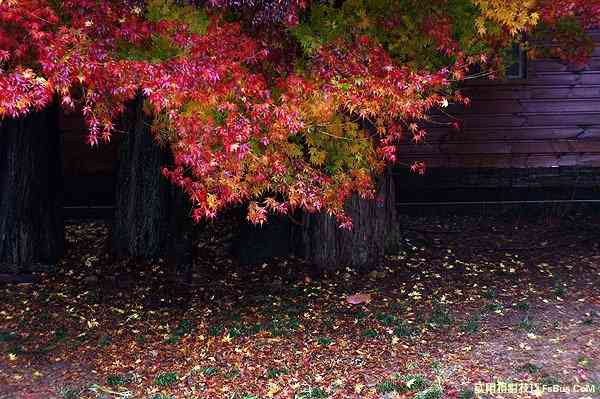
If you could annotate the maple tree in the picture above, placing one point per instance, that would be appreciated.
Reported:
(283, 104)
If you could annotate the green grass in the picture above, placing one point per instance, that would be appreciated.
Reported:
(531, 368)
(276, 373)
(166, 379)
(492, 307)
(466, 393)
(215, 330)
(324, 341)
(386, 319)
(415, 382)
(69, 393)
(490, 294)
(8, 336)
(312, 393)
(526, 324)
(471, 326)
(440, 316)
(104, 341)
(370, 333)
(404, 329)
(184, 328)
(386, 386)
(523, 305)
(585, 362)
(232, 374)
(549, 380)
(115, 380)
(210, 371)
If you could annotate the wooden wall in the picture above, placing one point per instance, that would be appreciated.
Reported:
(549, 119)
(89, 172)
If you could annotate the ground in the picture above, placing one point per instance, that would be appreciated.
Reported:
(506, 300)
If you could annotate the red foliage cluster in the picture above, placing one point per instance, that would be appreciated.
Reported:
(243, 121)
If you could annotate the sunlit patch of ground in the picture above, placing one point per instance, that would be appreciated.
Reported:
(466, 301)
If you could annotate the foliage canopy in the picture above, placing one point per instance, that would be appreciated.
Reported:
(283, 104)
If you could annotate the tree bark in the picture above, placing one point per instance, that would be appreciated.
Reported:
(31, 223)
(374, 231)
(152, 217)
(141, 207)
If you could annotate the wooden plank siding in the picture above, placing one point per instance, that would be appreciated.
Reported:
(549, 119)
(89, 172)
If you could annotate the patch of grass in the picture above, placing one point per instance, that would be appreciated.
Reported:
(590, 317)
(559, 289)
(531, 368)
(324, 341)
(312, 393)
(526, 324)
(415, 382)
(276, 373)
(370, 333)
(490, 294)
(386, 386)
(8, 336)
(232, 374)
(234, 332)
(215, 330)
(360, 315)
(492, 307)
(386, 319)
(185, 327)
(140, 340)
(549, 380)
(585, 362)
(162, 396)
(104, 341)
(280, 327)
(252, 329)
(210, 371)
(471, 326)
(69, 392)
(440, 316)
(523, 305)
(166, 379)
(404, 329)
(115, 380)
(466, 393)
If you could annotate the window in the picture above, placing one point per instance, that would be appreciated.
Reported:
(518, 69)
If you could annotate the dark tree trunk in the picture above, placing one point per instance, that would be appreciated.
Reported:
(374, 231)
(254, 245)
(31, 223)
(141, 223)
(152, 218)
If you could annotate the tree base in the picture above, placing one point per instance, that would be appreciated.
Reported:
(374, 232)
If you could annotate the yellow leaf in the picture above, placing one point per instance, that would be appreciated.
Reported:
(358, 388)
(273, 389)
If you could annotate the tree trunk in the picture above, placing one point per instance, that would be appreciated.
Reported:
(374, 231)
(141, 208)
(152, 217)
(31, 223)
